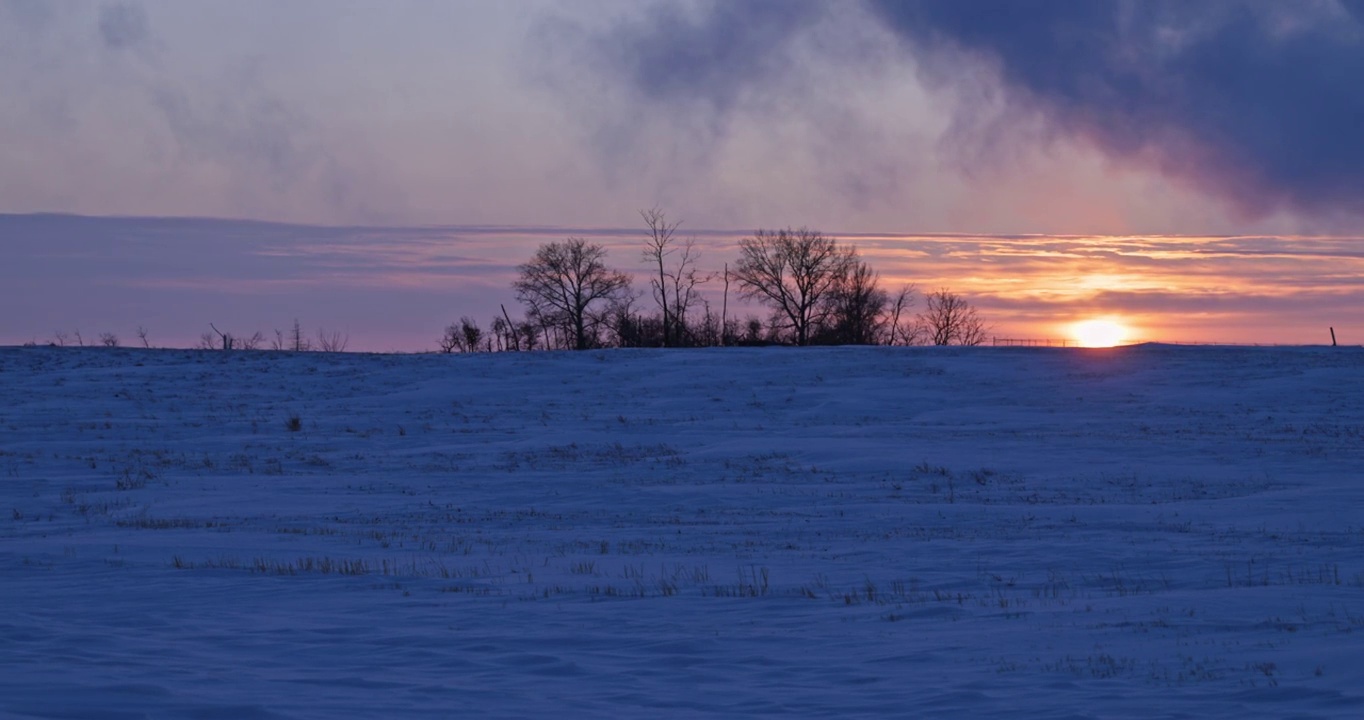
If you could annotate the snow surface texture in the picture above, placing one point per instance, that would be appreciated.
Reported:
(1138, 532)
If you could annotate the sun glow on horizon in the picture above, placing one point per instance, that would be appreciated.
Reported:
(1099, 332)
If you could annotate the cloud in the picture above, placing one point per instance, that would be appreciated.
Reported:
(663, 83)
(759, 112)
(1255, 102)
(251, 133)
(117, 121)
(123, 25)
(30, 14)
(711, 58)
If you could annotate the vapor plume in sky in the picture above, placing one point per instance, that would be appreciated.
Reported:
(1255, 102)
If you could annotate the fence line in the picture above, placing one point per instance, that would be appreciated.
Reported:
(1051, 342)
(1031, 342)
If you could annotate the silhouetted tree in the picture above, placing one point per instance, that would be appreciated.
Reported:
(450, 339)
(902, 330)
(298, 342)
(470, 334)
(657, 247)
(465, 336)
(629, 330)
(675, 284)
(567, 284)
(710, 331)
(500, 339)
(206, 340)
(948, 319)
(508, 329)
(753, 332)
(227, 341)
(793, 272)
(332, 341)
(856, 308)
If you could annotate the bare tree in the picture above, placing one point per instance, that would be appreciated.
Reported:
(297, 341)
(857, 305)
(973, 330)
(626, 329)
(724, 309)
(567, 284)
(467, 335)
(255, 342)
(108, 339)
(948, 319)
(60, 338)
(509, 327)
(142, 335)
(206, 340)
(528, 336)
(674, 287)
(906, 331)
(657, 247)
(710, 331)
(227, 341)
(498, 337)
(793, 272)
(450, 340)
(683, 282)
(332, 341)
(753, 331)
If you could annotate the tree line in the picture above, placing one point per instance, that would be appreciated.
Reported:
(816, 290)
(295, 339)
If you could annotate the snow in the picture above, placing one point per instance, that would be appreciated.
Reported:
(1140, 532)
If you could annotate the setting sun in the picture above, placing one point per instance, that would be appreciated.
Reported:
(1101, 332)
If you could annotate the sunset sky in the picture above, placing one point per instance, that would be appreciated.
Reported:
(1192, 169)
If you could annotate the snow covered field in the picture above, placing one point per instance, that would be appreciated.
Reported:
(1139, 532)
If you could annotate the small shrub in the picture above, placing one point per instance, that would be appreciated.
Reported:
(294, 423)
(133, 479)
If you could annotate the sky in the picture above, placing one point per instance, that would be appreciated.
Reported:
(1193, 168)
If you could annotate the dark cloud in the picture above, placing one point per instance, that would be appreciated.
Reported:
(1255, 101)
(123, 25)
(713, 55)
(1258, 102)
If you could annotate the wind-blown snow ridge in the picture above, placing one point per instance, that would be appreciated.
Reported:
(1145, 532)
